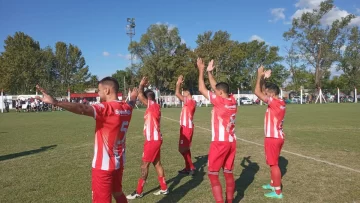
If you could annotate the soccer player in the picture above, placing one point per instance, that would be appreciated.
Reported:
(223, 143)
(273, 126)
(153, 142)
(186, 126)
(112, 121)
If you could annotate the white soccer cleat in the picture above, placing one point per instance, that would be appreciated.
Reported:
(161, 192)
(134, 195)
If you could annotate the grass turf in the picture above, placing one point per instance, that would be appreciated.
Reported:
(46, 157)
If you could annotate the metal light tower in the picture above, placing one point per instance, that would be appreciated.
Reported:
(130, 30)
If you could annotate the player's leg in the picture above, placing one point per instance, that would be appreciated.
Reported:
(146, 160)
(184, 149)
(101, 186)
(160, 171)
(138, 193)
(117, 192)
(215, 162)
(272, 151)
(228, 172)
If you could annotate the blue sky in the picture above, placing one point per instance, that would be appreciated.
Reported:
(98, 27)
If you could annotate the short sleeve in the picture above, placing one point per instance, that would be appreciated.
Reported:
(269, 101)
(99, 111)
(213, 98)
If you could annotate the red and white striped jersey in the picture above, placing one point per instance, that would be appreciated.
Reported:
(187, 113)
(112, 121)
(152, 121)
(223, 118)
(274, 118)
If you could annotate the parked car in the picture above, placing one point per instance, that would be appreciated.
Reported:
(245, 100)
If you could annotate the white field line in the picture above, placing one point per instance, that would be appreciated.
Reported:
(293, 153)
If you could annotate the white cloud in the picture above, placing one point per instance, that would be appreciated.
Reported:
(343, 48)
(255, 37)
(278, 14)
(308, 3)
(183, 41)
(126, 56)
(170, 26)
(105, 53)
(304, 6)
(334, 72)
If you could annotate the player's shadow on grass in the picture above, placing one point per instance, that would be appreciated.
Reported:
(283, 162)
(247, 176)
(25, 153)
(175, 195)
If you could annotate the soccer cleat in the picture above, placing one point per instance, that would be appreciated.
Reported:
(134, 195)
(268, 187)
(161, 192)
(274, 195)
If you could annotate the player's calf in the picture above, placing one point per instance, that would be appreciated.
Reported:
(161, 178)
(230, 185)
(120, 197)
(216, 186)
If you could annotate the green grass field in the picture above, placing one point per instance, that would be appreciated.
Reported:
(46, 157)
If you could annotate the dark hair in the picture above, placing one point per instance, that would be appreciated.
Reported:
(223, 86)
(149, 94)
(111, 82)
(189, 90)
(273, 88)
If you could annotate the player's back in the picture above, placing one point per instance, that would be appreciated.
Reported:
(223, 118)
(187, 113)
(152, 121)
(112, 121)
(274, 118)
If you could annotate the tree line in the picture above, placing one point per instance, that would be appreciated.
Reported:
(313, 50)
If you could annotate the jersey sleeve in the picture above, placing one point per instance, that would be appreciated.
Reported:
(213, 98)
(271, 102)
(100, 110)
(185, 100)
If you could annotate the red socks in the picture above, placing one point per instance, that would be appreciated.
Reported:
(121, 199)
(230, 186)
(276, 178)
(188, 163)
(216, 187)
(162, 182)
(140, 186)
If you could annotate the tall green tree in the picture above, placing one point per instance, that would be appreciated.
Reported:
(93, 81)
(20, 64)
(318, 44)
(122, 76)
(156, 50)
(350, 61)
(72, 68)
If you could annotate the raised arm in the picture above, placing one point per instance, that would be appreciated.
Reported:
(202, 88)
(133, 97)
(77, 108)
(212, 80)
(177, 89)
(259, 87)
(141, 95)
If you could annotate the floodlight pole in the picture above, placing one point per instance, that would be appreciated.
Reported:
(130, 31)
